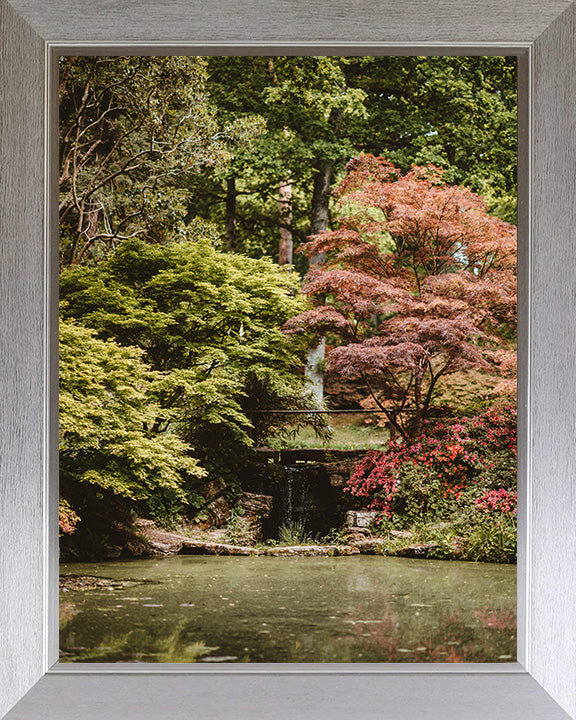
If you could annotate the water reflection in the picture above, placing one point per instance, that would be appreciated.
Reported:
(333, 610)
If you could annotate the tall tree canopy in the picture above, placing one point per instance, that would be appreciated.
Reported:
(131, 130)
(309, 111)
(459, 113)
(147, 144)
(456, 112)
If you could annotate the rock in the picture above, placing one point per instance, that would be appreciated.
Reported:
(313, 550)
(144, 523)
(218, 512)
(163, 542)
(113, 552)
(340, 472)
(83, 582)
(459, 544)
(361, 518)
(212, 489)
(305, 550)
(347, 550)
(258, 506)
(242, 530)
(416, 551)
(401, 533)
(89, 582)
(357, 536)
(160, 542)
(165, 548)
(371, 546)
(364, 531)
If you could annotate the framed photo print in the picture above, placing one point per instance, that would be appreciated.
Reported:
(287, 371)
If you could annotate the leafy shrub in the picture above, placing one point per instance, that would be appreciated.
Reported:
(165, 507)
(111, 464)
(492, 540)
(498, 502)
(207, 324)
(418, 493)
(335, 536)
(472, 536)
(239, 530)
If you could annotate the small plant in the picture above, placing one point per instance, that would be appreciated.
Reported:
(165, 508)
(493, 541)
(336, 536)
(239, 530)
(294, 534)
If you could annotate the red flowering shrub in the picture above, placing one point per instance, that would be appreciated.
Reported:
(451, 465)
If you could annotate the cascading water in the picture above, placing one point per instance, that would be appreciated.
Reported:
(305, 487)
(294, 497)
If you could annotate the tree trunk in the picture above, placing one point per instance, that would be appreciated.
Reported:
(416, 423)
(320, 214)
(230, 218)
(285, 205)
(319, 221)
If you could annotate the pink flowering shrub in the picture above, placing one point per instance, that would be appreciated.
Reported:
(446, 468)
(498, 501)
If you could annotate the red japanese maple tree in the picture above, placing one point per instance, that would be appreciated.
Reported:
(418, 281)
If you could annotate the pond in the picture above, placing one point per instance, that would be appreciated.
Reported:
(291, 610)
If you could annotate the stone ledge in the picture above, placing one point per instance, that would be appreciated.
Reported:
(312, 550)
(193, 547)
(163, 542)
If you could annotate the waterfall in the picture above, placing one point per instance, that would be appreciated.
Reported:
(294, 496)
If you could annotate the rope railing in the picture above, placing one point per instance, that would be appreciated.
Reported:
(316, 412)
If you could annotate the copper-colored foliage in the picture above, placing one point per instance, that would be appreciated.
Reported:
(418, 281)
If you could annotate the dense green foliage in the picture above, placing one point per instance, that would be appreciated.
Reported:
(209, 321)
(207, 324)
(132, 132)
(107, 409)
(459, 113)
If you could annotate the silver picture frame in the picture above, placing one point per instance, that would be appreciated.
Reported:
(542, 684)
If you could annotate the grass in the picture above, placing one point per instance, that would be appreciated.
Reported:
(350, 432)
